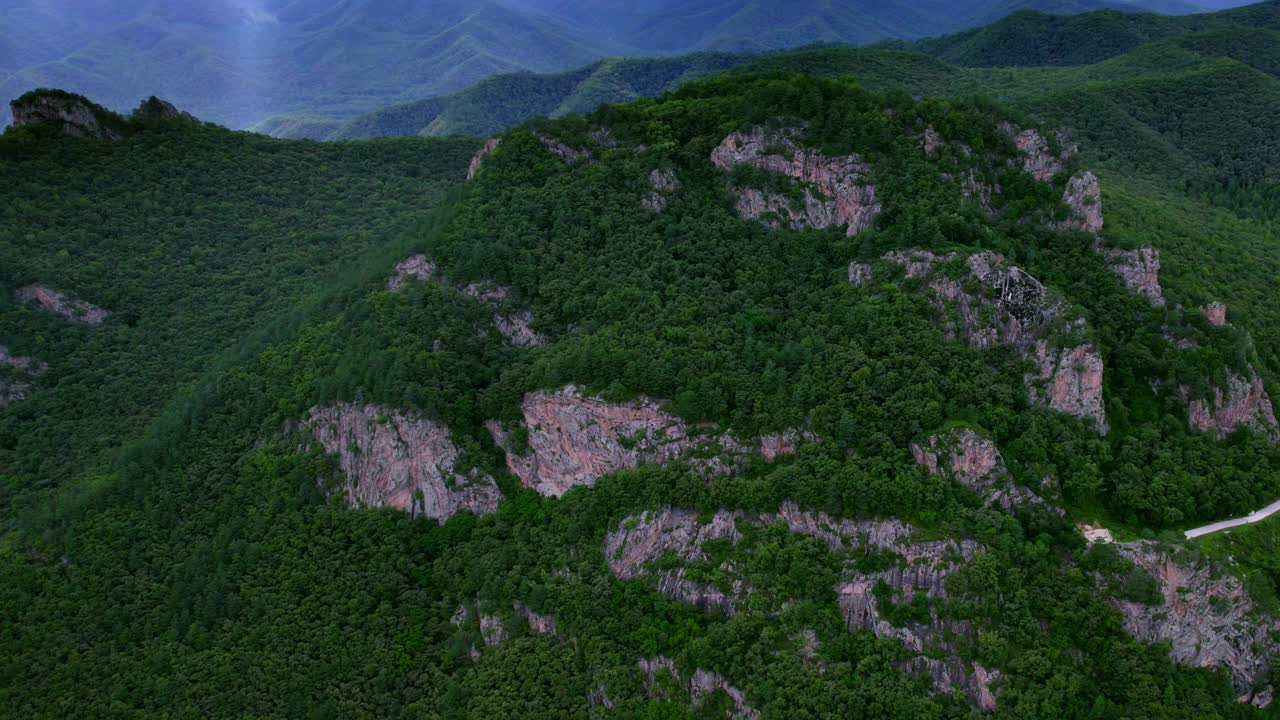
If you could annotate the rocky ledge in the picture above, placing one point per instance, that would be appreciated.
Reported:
(50, 300)
(975, 462)
(514, 324)
(919, 567)
(994, 303)
(574, 439)
(394, 459)
(1207, 618)
(1037, 157)
(835, 190)
(700, 687)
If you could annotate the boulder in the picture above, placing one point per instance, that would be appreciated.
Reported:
(394, 459)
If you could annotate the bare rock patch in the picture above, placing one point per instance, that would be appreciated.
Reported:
(50, 300)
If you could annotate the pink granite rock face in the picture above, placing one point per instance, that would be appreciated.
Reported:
(1037, 158)
(477, 161)
(835, 191)
(1243, 403)
(50, 300)
(538, 623)
(1215, 313)
(575, 439)
(515, 325)
(975, 462)
(417, 268)
(1139, 270)
(1208, 618)
(393, 459)
(1001, 304)
(1084, 197)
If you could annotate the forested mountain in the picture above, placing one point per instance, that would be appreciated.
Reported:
(237, 62)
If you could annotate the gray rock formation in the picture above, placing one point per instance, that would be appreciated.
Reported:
(50, 300)
(541, 624)
(931, 141)
(75, 114)
(515, 325)
(859, 274)
(574, 439)
(700, 686)
(1208, 619)
(1215, 313)
(477, 161)
(561, 150)
(16, 375)
(1139, 270)
(664, 183)
(921, 567)
(1244, 402)
(155, 110)
(1001, 304)
(975, 462)
(492, 631)
(835, 191)
(393, 459)
(1084, 196)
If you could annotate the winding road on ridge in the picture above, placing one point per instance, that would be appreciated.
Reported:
(1253, 517)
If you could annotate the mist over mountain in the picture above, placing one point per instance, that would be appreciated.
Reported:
(237, 62)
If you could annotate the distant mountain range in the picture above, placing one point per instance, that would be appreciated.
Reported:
(236, 62)
(504, 101)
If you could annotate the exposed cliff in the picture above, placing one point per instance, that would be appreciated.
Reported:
(16, 375)
(997, 303)
(153, 110)
(1037, 157)
(1208, 619)
(393, 459)
(72, 114)
(1083, 197)
(663, 183)
(975, 462)
(575, 439)
(700, 687)
(1215, 313)
(917, 568)
(477, 161)
(1139, 270)
(1244, 402)
(50, 300)
(835, 190)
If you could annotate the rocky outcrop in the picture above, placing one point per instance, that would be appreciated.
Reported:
(994, 303)
(1084, 198)
(74, 114)
(974, 462)
(394, 459)
(1208, 618)
(978, 191)
(917, 567)
(664, 183)
(701, 686)
(834, 190)
(1139, 270)
(154, 110)
(931, 141)
(574, 440)
(953, 675)
(859, 274)
(477, 161)
(50, 300)
(492, 630)
(1215, 313)
(561, 150)
(1243, 403)
(513, 324)
(538, 623)
(1037, 157)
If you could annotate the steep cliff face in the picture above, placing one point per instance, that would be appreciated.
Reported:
(574, 439)
(514, 324)
(50, 300)
(393, 459)
(919, 567)
(477, 161)
(1001, 304)
(835, 189)
(1215, 313)
(1209, 620)
(74, 114)
(975, 462)
(1243, 403)
(1084, 197)
(1037, 157)
(1139, 270)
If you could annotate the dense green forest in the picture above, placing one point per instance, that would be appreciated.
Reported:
(174, 546)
